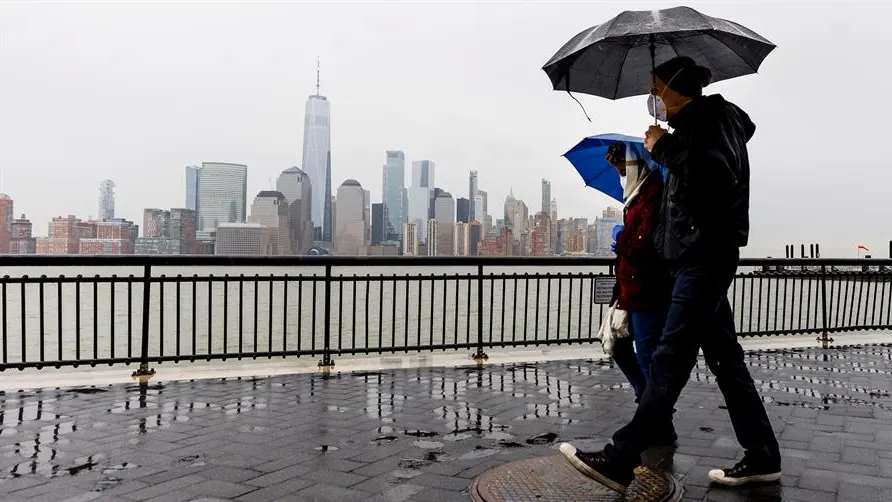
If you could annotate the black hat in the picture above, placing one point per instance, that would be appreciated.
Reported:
(684, 76)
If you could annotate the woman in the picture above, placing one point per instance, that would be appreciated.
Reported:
(641, 280)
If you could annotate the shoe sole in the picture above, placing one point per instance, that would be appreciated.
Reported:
(718, 476)
(569, 453)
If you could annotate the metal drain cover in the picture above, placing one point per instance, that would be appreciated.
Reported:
(539, 479)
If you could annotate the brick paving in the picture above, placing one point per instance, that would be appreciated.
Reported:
(424, 434)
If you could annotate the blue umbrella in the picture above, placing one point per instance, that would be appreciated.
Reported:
(589, 159)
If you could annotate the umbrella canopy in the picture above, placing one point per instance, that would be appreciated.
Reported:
(589, 159)
(614, 60)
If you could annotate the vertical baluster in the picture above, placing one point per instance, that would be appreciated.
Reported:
(41, 319)
(284, 316)
(59, 318)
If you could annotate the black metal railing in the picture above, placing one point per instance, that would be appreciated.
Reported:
(77, 310)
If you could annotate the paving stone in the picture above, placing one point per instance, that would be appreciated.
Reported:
(259, 437)
(217, 488)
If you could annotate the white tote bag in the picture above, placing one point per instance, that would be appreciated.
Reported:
(615, 325)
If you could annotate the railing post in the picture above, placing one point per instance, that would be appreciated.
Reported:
(144, 372)
(479, 356)
(326, 364)
(825, 330)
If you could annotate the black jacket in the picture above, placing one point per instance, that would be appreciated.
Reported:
(705, 208)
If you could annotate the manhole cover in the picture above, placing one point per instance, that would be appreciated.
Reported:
(538, 479)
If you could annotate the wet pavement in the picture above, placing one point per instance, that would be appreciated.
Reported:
(425, 433)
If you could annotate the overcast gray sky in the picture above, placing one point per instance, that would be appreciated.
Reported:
(136, 91)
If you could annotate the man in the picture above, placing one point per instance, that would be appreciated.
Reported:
(704, 222)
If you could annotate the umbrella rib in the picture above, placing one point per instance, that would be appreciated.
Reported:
(620, 73)
(712, 35)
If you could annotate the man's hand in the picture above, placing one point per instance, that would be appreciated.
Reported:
(653, 134)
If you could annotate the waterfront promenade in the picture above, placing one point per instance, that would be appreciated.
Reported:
(425, 433)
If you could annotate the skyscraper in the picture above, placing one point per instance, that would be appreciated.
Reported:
(481, 193)
(546, 197)
(393, 190)
(350, 223)
(222, 196)
(270, 209)
(106, 200)
(463, 210)
(472, 196)
(420, 196)
(444, 208)
(192, 187)
(295, 185)
(377, 224)
(516, 216)
(410, 239)
(317, 161)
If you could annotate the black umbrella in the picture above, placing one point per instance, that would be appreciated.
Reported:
(615, 59)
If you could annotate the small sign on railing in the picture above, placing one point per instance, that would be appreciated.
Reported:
(604, 289)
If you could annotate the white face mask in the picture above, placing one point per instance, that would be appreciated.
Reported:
(659, 111)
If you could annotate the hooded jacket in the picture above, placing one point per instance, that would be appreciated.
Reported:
(705, 206)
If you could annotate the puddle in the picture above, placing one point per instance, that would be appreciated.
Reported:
(509, 444)
(707, 429)
(126, 466)
(547, 438)
(105, 484)
(326, 447)
(384, 439)
(420, 434)
(87, 390)
(428, 445)
(193, 460)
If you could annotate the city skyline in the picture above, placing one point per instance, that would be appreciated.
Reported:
(231, 84)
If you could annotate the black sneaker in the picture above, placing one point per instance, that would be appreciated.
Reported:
(668, 439)
(598, 467)
(746, 472)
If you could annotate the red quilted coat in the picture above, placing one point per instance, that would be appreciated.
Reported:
(640, 273)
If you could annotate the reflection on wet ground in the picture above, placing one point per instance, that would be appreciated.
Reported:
(429, 431)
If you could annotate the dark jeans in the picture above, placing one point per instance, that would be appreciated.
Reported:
(646, 327)
(699, 317)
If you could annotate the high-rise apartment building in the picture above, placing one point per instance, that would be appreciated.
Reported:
(222, 196)
(410, 239)
(317, 162)
(546, 197)
(115, 236)
(168, 232)
(6, 219)
(106, 200)
(21, 239)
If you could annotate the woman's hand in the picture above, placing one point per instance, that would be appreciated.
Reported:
(653, 134)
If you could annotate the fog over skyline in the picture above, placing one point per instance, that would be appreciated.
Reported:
(134, 92)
